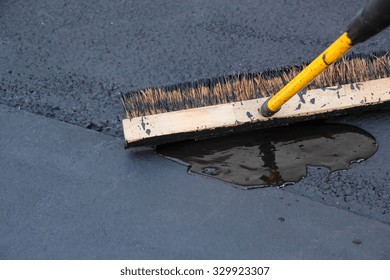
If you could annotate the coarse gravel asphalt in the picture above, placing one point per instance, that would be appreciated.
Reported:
(69, 60)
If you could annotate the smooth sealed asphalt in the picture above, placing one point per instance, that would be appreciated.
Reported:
(72, 193)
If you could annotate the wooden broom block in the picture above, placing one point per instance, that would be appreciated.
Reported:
(220, 119)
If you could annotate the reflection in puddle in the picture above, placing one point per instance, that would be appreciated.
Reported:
(275, 156)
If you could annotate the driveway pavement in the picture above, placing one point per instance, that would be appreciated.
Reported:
(68, 189)
(72, 193)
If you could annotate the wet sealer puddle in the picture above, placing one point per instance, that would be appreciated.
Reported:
(273, 157)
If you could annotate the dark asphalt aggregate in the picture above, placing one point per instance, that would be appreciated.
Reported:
(69, 60)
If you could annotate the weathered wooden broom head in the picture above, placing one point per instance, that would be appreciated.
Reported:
(213, 107)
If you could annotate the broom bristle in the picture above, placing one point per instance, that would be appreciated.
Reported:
(350, 69)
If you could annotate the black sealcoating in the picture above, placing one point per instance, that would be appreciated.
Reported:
(274, 157)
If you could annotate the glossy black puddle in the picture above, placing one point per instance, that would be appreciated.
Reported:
(275, 156)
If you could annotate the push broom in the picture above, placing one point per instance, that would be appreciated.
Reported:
(218, 106)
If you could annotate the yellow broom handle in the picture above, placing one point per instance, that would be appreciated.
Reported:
(342, 45)
(372, 19)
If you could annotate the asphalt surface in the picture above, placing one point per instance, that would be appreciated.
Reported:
(68, 192)
(70, 59)
(73, 193)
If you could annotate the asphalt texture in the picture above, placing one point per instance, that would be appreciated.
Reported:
(70, 59)
(70, 192)
(73, 193)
